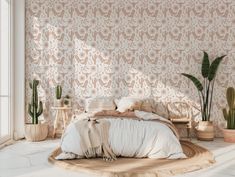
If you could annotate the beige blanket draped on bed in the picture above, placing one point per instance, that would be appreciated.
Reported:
(94, 138)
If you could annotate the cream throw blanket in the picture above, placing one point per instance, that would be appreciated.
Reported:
(94, 138)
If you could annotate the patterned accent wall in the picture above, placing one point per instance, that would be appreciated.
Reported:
(128, 47)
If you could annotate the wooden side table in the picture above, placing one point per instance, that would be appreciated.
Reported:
(61, 114)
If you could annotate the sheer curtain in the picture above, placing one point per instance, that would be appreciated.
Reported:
(5, 71)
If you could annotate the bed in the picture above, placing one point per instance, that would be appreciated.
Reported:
(125, 127)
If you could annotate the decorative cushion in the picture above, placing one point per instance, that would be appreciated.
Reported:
(147, 105)
(115, 113)
(99, 104)
(127, 104)
(160, 109)
(179, 110)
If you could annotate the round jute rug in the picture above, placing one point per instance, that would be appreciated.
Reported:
(198, 158)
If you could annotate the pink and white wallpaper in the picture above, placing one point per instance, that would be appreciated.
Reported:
(128, 47)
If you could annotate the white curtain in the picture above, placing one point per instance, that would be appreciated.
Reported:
(19, 68)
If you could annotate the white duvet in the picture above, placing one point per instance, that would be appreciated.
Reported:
(129, 138)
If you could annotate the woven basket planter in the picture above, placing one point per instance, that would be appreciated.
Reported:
(205, 131)
(36, 132)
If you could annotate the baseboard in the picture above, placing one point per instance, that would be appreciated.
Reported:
(7, 143)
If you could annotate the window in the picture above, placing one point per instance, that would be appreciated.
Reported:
(5, 70)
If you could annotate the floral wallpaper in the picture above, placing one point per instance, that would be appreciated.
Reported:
(128, 47)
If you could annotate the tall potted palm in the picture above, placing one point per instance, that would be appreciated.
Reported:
(205, 129)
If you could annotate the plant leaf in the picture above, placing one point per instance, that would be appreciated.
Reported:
(205, 65)
(196, 82)
(214, 67)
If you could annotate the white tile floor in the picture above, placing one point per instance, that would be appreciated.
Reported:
(25, 159)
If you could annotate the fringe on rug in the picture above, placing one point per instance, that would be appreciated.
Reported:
(99, 151)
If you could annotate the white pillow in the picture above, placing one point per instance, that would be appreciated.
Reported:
(127, 103)
(99, 104)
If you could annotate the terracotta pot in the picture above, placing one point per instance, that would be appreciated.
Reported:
(205, 131)
(36, 132)
(229, 135)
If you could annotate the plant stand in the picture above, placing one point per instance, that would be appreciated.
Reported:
(61, 115)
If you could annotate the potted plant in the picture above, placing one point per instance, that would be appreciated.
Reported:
(36, 131)
(205, 129)
(229, 116)
(67, 101)
(58, 101)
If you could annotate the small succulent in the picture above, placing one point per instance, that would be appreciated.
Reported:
(66, 102)
(67, 96)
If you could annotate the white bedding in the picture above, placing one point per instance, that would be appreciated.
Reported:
(129, 138)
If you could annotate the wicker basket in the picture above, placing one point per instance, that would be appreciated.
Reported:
(36, 132)
(205, 131)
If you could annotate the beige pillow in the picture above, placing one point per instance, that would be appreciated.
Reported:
(127, 104)
(160, 109)
(99, 104)
(179, 110)
(146, 105)
(115, 113)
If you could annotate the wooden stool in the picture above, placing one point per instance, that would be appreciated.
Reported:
(184, 121)
(61, 114)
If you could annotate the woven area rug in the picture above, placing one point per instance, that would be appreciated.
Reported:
(198, 158)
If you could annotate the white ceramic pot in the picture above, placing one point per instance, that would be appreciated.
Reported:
(58, 102)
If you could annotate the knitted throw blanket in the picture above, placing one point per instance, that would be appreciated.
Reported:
(94, 138)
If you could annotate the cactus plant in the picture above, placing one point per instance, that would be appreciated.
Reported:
(58, 92)
(229, 115)
(35, 108)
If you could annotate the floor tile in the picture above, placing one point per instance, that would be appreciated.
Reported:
(27, 159)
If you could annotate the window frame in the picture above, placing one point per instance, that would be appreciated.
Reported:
(7, 138)
(18, 66)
